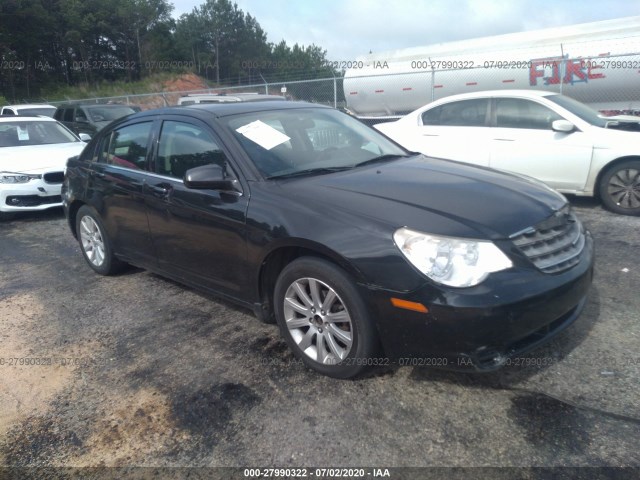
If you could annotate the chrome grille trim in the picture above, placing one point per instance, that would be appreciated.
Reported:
(553, 245)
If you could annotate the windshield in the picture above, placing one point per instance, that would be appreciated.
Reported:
(309, 140)
(48, 111)
(22, 133)
(109, 113)
(581, 110)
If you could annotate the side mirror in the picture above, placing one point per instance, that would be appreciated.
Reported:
(208, 177)
(563, 126)
(85, 137)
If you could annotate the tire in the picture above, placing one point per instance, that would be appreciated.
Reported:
(619, 188)
(94, 242)
(342, 348)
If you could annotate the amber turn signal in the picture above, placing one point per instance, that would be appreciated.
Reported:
(407, 305)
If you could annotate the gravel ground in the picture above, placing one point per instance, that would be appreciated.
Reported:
(136, 370)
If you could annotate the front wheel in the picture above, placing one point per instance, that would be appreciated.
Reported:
(323, 318)
(620, 188)
(94, 242)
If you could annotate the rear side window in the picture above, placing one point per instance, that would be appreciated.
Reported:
(68, 115)
(127, 146)
(7, 111)
(465, 113)
(183, 146)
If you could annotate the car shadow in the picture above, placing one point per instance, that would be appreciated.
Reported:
(591, 203)
(208, 296)
(38, 216)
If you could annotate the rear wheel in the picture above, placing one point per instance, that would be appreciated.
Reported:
(94, 242)
(620, 188)
(324, 319)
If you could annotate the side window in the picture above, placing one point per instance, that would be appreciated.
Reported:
(431, 116)
(80, 115)
(68, 115)
(58, 114)
(102, 151)
(8, 111)
(128, 146)
(519, 113)
(183, 146)
(465, 113)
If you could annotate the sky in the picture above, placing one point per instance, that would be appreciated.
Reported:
(347, 29)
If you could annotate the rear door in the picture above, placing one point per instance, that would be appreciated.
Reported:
(523, 141)
(116, 181)
(198, 235)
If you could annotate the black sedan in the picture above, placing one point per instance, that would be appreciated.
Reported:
(364, 253)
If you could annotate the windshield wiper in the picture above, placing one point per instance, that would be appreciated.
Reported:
(381, 158)
(310, 171)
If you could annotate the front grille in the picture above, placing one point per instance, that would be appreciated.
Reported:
(555, 244)
(53, 177)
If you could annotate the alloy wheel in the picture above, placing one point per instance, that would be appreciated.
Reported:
(318, 321)
(92, 241)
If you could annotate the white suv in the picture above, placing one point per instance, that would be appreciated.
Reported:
(29, 109)
(544, 135)
(224, 98)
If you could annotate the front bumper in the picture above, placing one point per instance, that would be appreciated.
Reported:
(34, 195)
(482, 327)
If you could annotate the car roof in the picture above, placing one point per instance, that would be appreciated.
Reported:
(218, 110)
(499, 93)
(101, 105)
(29, 105)
(26, 118)
(234, 97)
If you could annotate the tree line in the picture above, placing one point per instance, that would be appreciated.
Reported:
(44, 43)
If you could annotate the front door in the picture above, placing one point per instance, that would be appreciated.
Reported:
(524, 142)
(197, 234)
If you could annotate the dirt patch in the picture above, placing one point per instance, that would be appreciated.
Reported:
(131, 430)
(30, 377)
(188, 82)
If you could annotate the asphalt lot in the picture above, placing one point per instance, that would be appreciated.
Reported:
(136, 370)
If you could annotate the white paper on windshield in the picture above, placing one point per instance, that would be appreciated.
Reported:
(262, 134)
(23, 134)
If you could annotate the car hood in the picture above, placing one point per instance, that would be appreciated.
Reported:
(412, 192)
(38, 158)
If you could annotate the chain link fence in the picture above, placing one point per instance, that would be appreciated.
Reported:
(326, 91)
(609, 81)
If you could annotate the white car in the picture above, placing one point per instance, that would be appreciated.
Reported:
(33, 157)
(544, 135)
(29, 109)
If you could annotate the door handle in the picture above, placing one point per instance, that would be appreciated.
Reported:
(505, 139)
(160, 190)
(98, 174)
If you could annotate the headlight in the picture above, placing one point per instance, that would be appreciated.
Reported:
(456, 262)
(6, 177)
